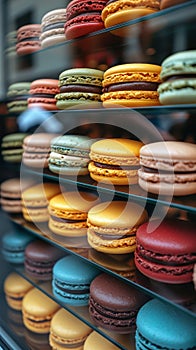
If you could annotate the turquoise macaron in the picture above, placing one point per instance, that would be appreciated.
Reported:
(71, 280)
(164, 326)
(14, 244)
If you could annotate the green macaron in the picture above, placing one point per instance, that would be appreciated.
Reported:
(17, 95)
(79, 86)
(70, 154)
(12, 147)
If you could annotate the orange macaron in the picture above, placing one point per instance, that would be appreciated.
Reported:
(112, 226)
(68, 214)
(120, 11)
(131, 85)
(115, 161)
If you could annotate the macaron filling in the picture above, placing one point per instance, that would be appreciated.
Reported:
(111, 317)
(135, 85)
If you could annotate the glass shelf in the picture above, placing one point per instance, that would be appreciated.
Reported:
(164, 18)
(182, 296)
(124, 342)
(106, 192)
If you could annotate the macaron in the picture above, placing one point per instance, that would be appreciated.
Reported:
(15, 288)
(14, 244)
(39, 259)
(69, 155)
(11, 192)
(114, 304)
(28, 39)
(71, 280)
(166, 253)
(112, 226)
(66, 331)
(96, 341)
(169, 3)
(168, 168)
(17, 95)
(116, 12)
(43, 93)
(115, 161)
(79, 87)
(11, 40)
(36, 149)
(83, 17)
(178, 78)
(11, 147)
(68, 217)
(52, 27)
(131, 85)
(161, 326)
(35, 201)
(38, 310)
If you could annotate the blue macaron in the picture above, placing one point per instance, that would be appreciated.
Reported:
(163, 326)
(71, 280)
(14, 244)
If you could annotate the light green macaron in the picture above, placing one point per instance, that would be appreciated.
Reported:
(78, 87)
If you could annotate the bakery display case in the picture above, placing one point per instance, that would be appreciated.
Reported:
(148, 39)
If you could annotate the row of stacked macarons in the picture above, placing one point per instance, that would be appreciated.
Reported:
(162, 167)
(126, 85)
(139, 313)
(79, 219)
(58, 325)
(81, 18)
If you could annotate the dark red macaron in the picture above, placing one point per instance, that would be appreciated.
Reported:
(40, 258)
(114, 304)
(83, 17)
(168, 253)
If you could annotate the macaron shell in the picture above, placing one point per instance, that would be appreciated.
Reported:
(111, 246)
(181, 153)
(179, 63)
(165, 331)
(132, 72)
(67, 330)
(168, 187)
(114, 177)
(116, 214)
(128, 100)
(123, 16)
(178, 92)
(40, 192)
(122, 148)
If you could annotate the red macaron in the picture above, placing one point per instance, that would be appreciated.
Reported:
(168, 252)
(83, 17)
(43, 92)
